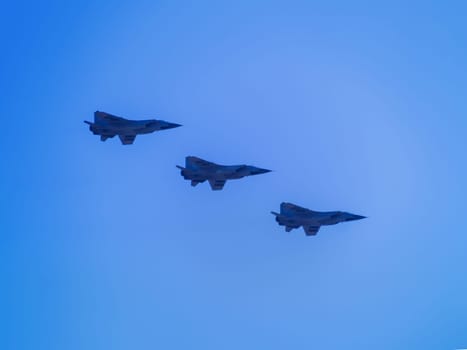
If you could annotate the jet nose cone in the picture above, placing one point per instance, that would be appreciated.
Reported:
(355, 217)
(166, 125)
(257, 171)
(171, 125)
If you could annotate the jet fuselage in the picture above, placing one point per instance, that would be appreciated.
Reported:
(198, 170)
(292, 216)
(107, 126)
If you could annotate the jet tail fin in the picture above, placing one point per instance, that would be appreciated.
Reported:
(196, 163)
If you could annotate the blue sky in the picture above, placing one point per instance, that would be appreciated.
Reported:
(355, 107)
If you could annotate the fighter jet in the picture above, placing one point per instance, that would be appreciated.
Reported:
(107, 126)
(198, 170)
(292, 216)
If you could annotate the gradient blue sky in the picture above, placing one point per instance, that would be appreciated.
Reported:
(357, 107)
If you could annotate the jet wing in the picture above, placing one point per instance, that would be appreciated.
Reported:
(217, 185)
(311, 230)
(127, 139)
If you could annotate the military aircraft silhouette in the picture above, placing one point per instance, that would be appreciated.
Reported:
(107, 126)
(292, 216)
(198, 170)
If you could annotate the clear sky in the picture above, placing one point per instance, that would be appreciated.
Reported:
(355, 106)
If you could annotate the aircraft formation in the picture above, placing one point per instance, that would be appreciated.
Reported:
(198, 170)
